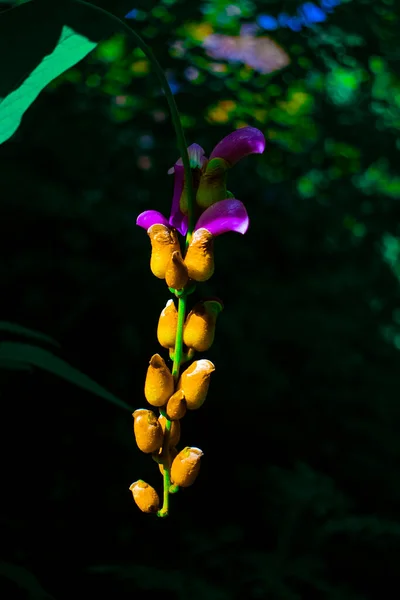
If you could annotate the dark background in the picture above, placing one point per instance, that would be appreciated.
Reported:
(298, 494)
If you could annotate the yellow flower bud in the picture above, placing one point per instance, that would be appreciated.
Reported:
(174, 432)
(164, 241)
(176, 406)
(199, 328)
(185, 466)
(172, 453)
(148, 431)
(145, 496)
(167, 325)
(183, 202)
(212, 186)
(195, 381)
(199, 258)
(176, 274)
(159, 384)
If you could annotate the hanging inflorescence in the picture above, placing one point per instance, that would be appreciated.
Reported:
(184, 333)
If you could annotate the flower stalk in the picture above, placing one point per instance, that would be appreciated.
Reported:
(176, 120)
(178, 355)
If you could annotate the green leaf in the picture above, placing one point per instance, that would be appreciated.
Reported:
(38, 42)
(25, 354)
(9, 365)
(20, 330)
(24, 579)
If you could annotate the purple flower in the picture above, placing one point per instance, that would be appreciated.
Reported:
(217, 210)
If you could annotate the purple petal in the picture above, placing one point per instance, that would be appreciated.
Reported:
(177, 219)
(238, 144)
(151, 217)
(223, 216)
(196, 158)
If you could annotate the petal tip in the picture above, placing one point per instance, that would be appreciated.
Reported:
(226, 215)
(150, 217)
(240, 143)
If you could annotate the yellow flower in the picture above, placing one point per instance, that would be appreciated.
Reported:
(145, 496)
(185, 466)
(176, 274)
(148, 431)
(199, 328)
(164, 242)
(199, 258)
(176, 406)
(167, 325)
(159, 384)
(195, 382)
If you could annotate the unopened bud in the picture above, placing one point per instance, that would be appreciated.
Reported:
(195, 382)
(199, 328)
(148, 431)
(176, 274)
(159, 384)
(145, 496)
(174, 432)
(167, 325)
(212, 186)
(199, 258)
(185, 466)
(176, 406)
(164, 241)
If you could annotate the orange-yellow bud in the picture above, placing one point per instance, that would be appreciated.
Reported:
(159, 384)
(176, 406)
(148, 431)
(172, 453)
(185, 466)
(199, 258)
(195, 382)
(174, 432)
(145, 496)
(199, 328)
(212, 186)
(176, 274)
(167, 325)
(164, 241)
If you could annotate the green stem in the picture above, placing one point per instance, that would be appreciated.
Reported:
(180, 135)
(163, 512)
(178, 355)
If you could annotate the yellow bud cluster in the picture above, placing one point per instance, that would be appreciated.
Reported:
(160, 436)
(166, 261)
(182, 334)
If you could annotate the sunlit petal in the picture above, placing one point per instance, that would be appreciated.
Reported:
(151, 217)
(226, 215)
(238, 144)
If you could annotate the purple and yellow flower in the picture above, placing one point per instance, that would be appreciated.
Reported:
(217, 210)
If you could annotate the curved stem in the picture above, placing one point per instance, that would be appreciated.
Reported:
(180, 135)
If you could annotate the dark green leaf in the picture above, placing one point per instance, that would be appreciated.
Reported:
(37, 357)
(20, 330)
(25, 580)
(38, 42)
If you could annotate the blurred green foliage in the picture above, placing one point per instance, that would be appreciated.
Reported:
(299, 492)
